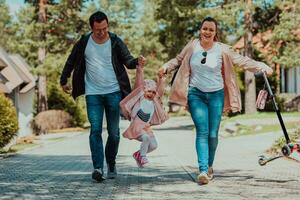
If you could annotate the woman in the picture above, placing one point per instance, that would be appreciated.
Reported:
(206, 83)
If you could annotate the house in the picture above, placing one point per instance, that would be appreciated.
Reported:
(289, 77)
(18, 83)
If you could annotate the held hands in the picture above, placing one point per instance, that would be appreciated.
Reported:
(141, 61)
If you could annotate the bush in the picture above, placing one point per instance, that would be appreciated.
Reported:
(58, 100)
(280, 142)
(279, 101)
(50, 120)
(8, 121)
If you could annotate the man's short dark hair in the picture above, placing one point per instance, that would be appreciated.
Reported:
(97, 17)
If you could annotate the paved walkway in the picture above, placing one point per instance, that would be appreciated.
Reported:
(61, 169)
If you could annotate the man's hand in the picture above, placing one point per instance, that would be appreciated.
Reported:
(141, 61)
(66, 88)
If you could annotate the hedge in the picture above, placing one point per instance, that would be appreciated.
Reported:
(8, 121)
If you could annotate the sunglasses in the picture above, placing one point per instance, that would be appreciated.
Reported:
(204, 54)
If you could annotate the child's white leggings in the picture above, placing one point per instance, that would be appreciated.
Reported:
(149, 144)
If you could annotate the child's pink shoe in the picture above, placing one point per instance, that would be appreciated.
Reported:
(143, 161)
(137, 156)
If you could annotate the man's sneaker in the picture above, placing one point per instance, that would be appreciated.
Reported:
(143, 161)
(137, 156)
(203, 178)
(97, 175)
(111, 171)
(210, 173)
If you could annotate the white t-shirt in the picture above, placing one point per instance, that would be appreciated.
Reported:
(207, 77)
(100, 77)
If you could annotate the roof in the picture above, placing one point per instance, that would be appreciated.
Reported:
(24, 71)
(14, 72)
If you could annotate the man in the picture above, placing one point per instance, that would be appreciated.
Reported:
(97, 61)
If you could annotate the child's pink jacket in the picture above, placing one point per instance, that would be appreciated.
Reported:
(130, 105)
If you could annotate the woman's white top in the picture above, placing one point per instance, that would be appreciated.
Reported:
(207, 77)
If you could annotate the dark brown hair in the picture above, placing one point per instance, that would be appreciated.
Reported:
(210, 19)
(97, 17)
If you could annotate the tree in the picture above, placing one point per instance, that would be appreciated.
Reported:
(63, 27)
(250, 89)
(42, 81)
(286, 35)
(5, 25)
(177, 23)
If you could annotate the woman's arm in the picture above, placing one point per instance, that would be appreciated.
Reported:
(175, 62)
(161, 85)
(247, 63)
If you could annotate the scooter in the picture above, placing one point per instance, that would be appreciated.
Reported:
(289, 147)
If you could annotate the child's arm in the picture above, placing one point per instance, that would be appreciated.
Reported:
(161, 85)
(139, 75)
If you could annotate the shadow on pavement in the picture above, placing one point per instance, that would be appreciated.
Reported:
(69, 176)
(237, 175)
(177, 128)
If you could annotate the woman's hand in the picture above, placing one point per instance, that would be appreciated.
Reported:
(268, 71)
(161, 72)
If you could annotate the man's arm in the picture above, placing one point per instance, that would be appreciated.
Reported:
(127, 59)
(69, 66)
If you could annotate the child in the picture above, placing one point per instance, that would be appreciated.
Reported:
(143, 106)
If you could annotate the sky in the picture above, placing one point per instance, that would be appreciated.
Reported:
(14, 5)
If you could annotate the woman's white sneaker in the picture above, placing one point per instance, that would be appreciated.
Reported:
(203, 178)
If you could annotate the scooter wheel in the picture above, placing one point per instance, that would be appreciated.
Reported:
(298, 147)
(262, 160)
(286, 151)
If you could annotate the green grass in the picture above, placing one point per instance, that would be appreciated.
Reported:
(259, 127)
(262, 128)
(247, 130)
(261, 115)
(56, 139)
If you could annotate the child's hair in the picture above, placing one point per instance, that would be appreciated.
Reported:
(150, 85)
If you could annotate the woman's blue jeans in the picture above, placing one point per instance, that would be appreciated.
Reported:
(96, 105)
(206, 109)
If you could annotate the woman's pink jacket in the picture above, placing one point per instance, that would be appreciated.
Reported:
(232, 96)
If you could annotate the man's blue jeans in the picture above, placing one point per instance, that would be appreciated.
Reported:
(96, 105)
(206, 110)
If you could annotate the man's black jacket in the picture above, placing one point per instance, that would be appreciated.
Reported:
(76, 61)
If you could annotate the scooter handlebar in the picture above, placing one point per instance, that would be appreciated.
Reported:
(259, 74)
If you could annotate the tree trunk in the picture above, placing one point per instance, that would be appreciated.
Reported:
(42, 81)
(277, 68)
(250, 88)
(42, 94)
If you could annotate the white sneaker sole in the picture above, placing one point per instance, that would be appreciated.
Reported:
(202, 180)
